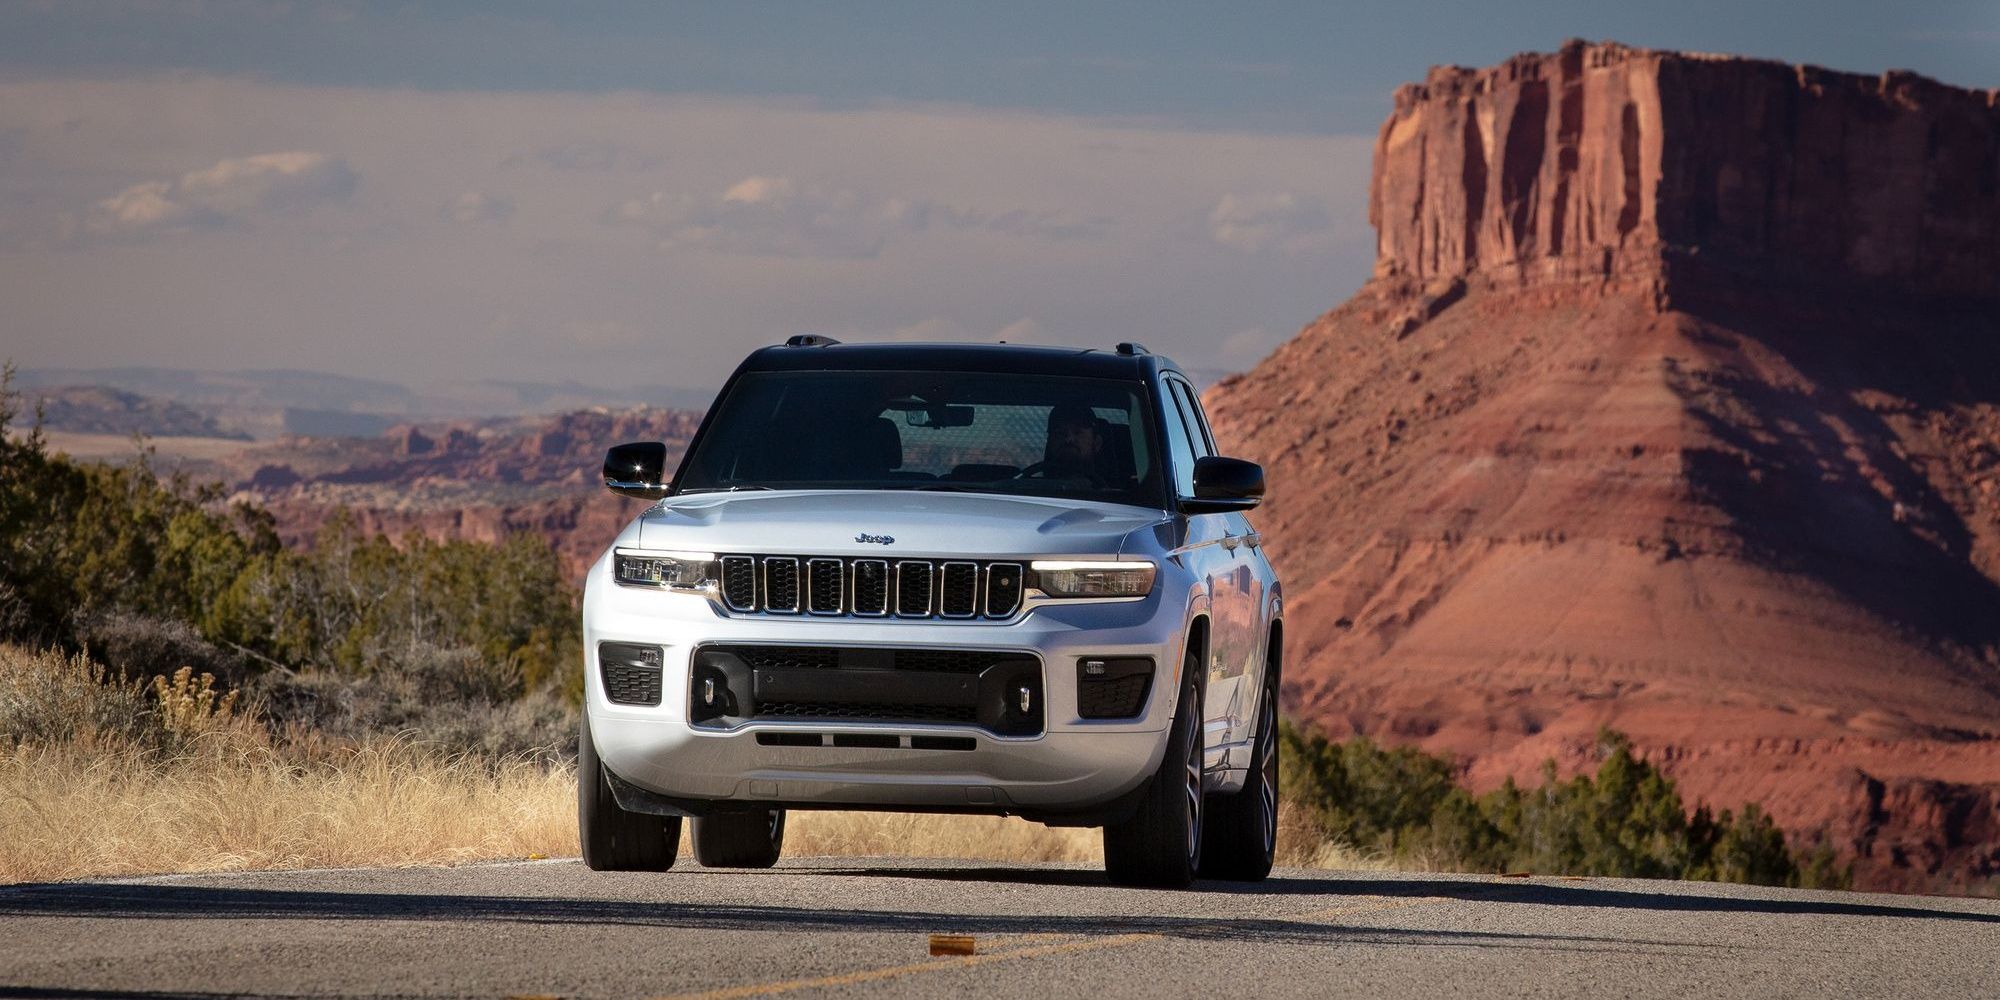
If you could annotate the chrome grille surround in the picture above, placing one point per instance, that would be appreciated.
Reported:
(915, 577)
(857, 587)
(781, 585)
(739, 583)
(958, 589)
(826, 586)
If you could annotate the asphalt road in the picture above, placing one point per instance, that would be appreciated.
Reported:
(817, 927)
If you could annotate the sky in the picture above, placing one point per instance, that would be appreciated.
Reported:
(641, 193)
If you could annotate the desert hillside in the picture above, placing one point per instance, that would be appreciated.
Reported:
(1674, 406)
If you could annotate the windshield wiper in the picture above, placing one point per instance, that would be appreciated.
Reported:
(725, 489)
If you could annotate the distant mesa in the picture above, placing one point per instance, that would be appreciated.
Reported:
(1673, 405)
(1603, 160)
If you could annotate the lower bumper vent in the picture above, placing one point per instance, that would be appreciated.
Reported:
(999, 691)
(630, 672)
(1113, 688)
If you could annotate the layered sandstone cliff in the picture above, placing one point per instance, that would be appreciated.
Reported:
(1607, 160)
(1674, 406)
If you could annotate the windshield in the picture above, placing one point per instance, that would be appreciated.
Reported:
(1033, 435)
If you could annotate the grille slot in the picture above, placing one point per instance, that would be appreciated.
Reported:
(958, 593)
(871, 587)
(1003, 589)
(739, 583)
(913, 589)
(825, 586)
(781, 584)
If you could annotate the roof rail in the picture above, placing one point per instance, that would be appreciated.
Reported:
(1129, 349)
(810, 340)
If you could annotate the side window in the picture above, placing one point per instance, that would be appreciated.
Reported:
(1204, 442)
(1197, 433)
(1180, 443)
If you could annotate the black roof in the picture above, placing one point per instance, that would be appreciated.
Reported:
(1008, 358)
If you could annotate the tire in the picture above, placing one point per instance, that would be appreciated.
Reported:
(615, 840)
(739, 839)
(1160, 845)
(1240, 840)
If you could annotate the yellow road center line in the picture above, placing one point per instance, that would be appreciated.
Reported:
(892, 972)
(1375, 904)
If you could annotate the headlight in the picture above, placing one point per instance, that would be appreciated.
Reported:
(1092, 579)
(687, 571)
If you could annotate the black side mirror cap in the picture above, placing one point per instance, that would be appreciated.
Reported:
(637, 470)
(1224, 484)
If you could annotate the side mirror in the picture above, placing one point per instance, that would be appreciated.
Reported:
(1224, 484)
(637, 470)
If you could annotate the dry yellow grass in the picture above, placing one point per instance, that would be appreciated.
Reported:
(117, 785)
(75, 812)
(70, 812)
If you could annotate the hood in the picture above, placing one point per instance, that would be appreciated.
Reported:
(920, 524)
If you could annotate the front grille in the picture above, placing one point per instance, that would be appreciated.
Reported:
(630, 672)
(998, 690)
(951, 661)
(906, 588)
(871, 713)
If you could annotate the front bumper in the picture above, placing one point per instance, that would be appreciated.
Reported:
(1071, 769)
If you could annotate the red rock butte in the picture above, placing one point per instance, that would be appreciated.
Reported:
(1673, 405)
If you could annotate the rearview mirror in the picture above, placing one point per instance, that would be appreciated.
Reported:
(637, 470)
(1224, 484)
(940, 416)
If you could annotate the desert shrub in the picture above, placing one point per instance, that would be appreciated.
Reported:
(154, 574)
(50, 697)
(140, 645)
(445, 698)
(1626, 819)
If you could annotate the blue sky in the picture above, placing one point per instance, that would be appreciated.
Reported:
(425, 191)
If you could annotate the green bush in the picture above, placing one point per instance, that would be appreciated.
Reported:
(1625, 820)
(143, 570)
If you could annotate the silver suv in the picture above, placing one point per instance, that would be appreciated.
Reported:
(942, 578)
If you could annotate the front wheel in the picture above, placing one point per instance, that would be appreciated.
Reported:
(615, 840)
(1160, 845)
(739, 839)
(1242, 833)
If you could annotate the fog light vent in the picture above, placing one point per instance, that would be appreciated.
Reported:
(631, 672)
(1112, 687)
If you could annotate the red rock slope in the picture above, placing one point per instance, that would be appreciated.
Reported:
(1673, 405)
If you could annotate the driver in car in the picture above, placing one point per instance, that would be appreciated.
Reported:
(1076, 444)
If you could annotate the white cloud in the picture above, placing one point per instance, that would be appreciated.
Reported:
(1254, 223)
(766, 217)
(773, 216)
(229, 193)
(1099, 231)
(478, 206)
